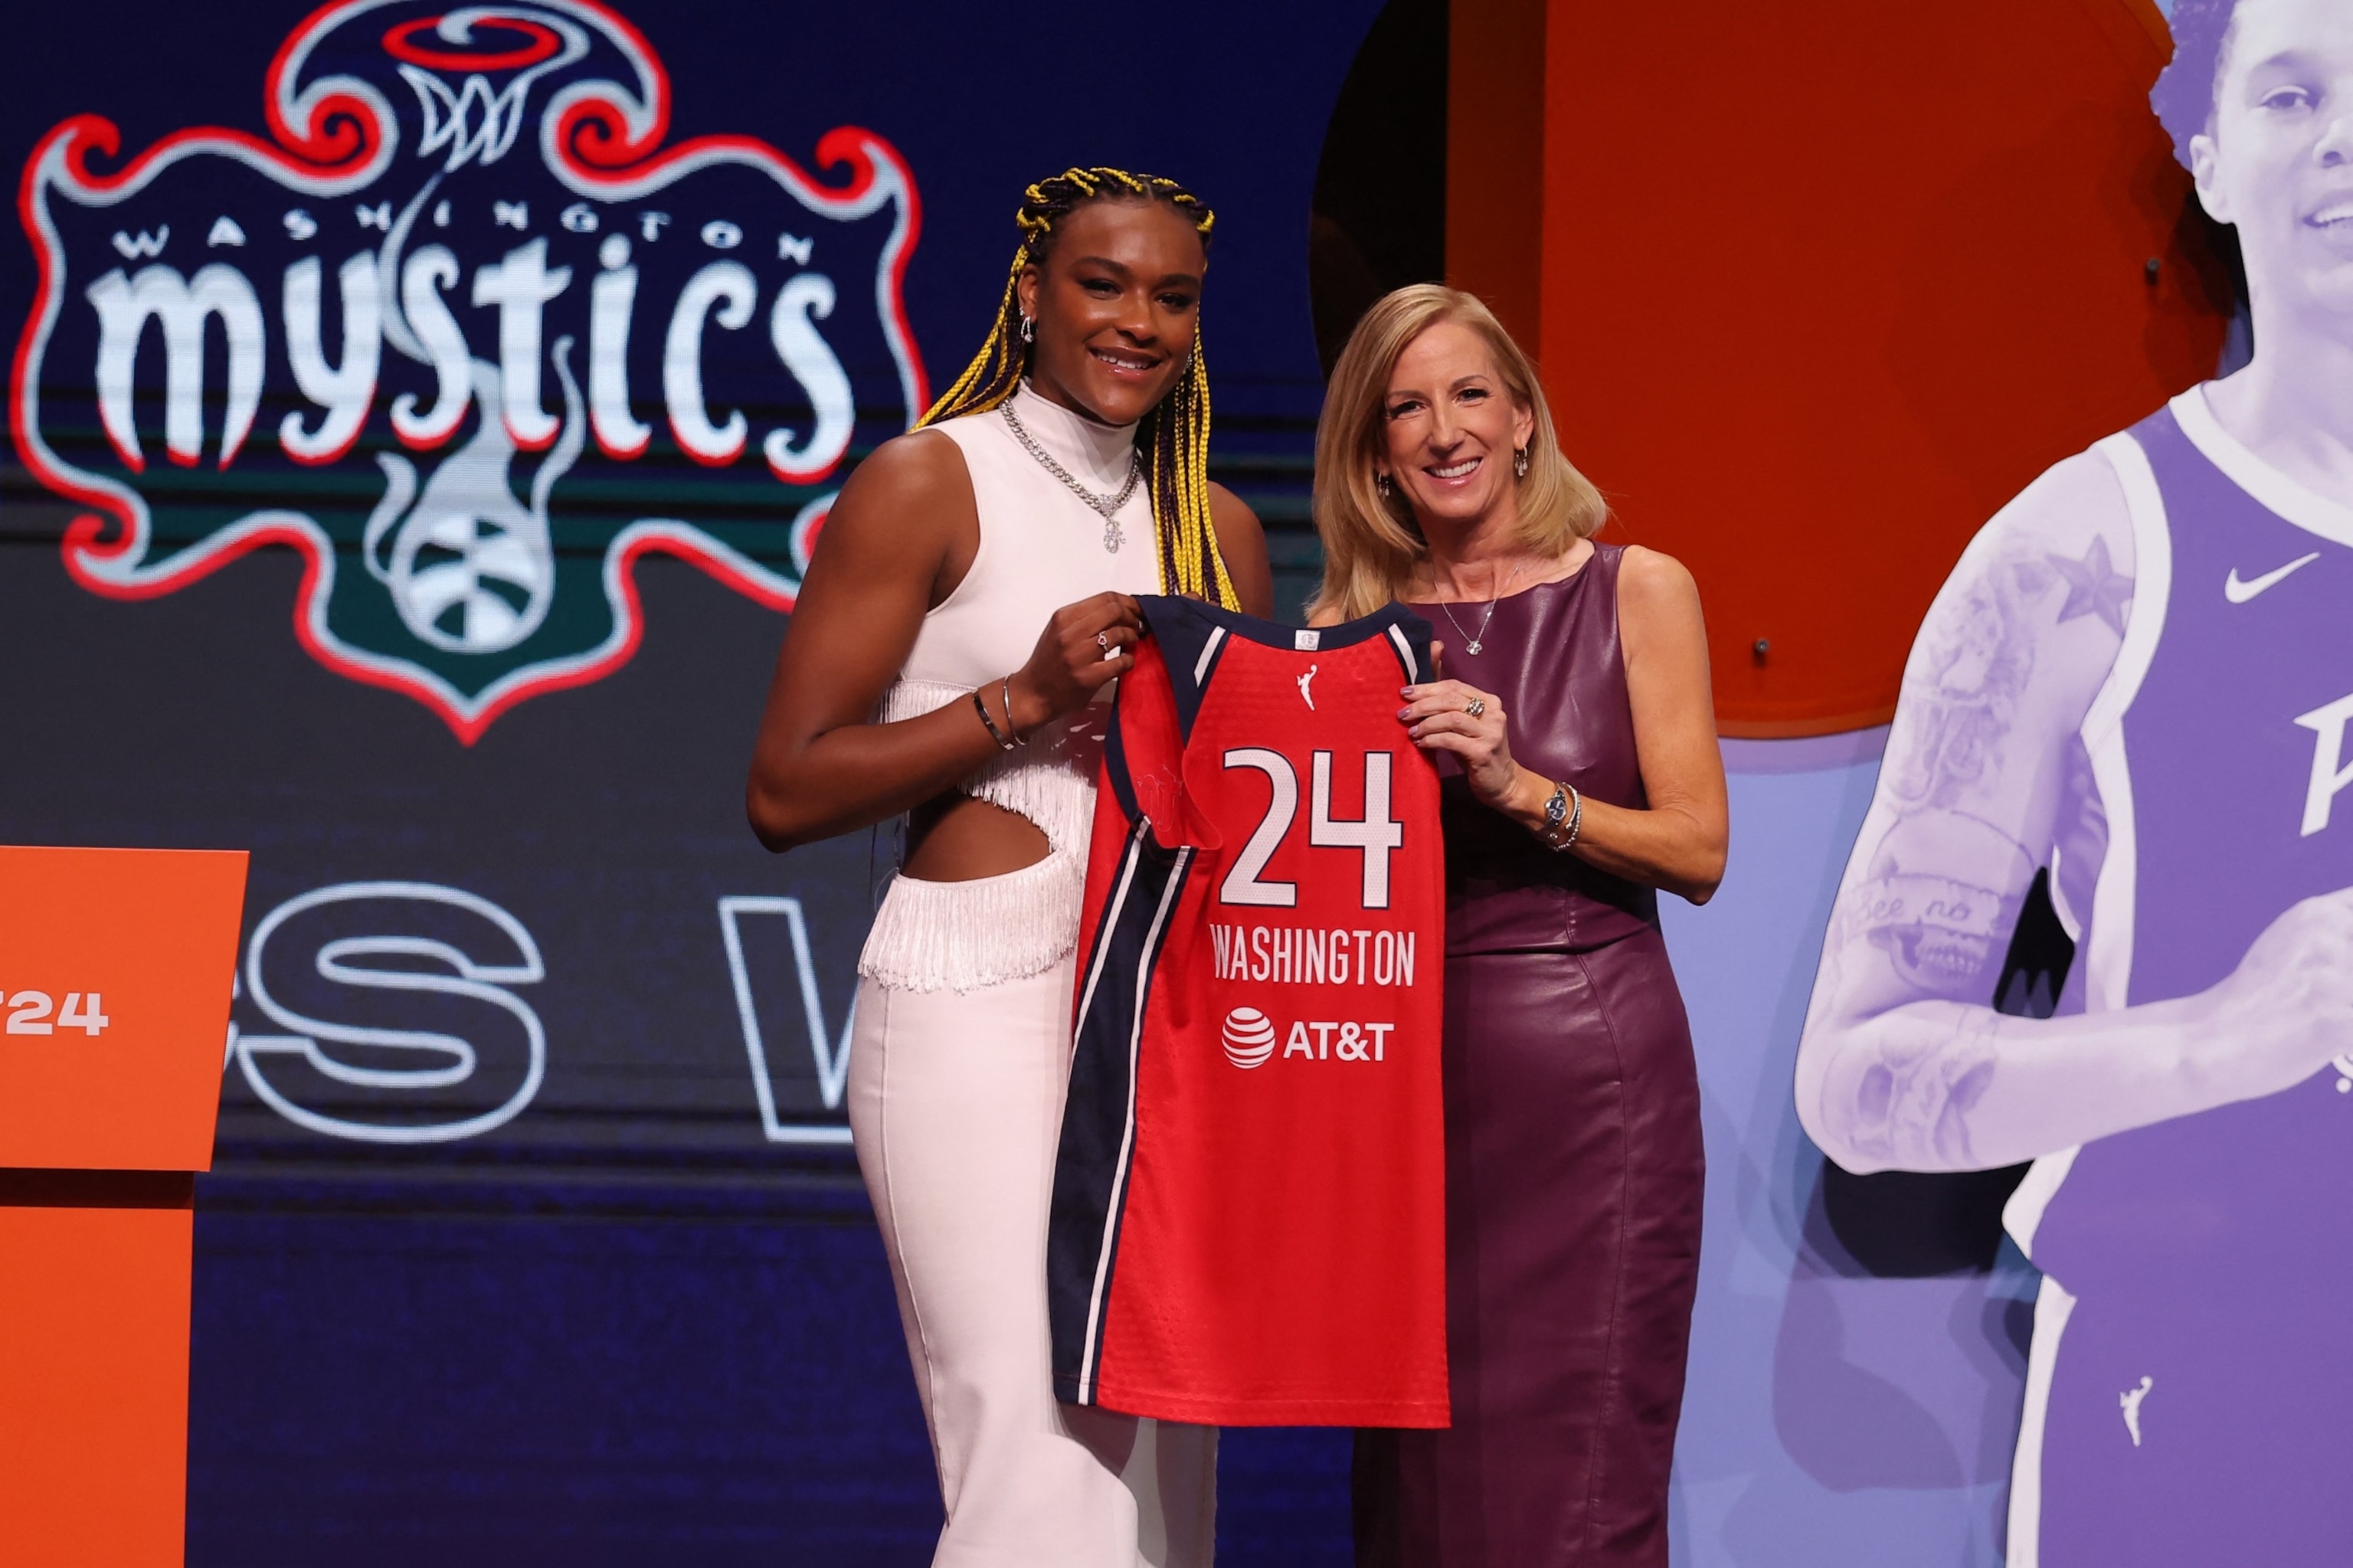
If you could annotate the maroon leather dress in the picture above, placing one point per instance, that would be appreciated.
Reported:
(1572, 1161)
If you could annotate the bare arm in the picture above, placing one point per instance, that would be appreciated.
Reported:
(900, 537)
(1905, 1064)
(1679, 841)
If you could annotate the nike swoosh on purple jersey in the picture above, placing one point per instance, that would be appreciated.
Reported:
(2240, 592)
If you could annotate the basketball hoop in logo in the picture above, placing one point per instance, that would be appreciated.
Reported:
(473, 120)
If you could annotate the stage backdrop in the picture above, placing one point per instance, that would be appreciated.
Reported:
(421, 420)
(419, 433)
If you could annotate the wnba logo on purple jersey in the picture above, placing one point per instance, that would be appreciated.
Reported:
(463, 332)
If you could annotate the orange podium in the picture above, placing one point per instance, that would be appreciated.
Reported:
(115, 975)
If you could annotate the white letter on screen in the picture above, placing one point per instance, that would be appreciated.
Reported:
(181, 305)
(346, 389)
(423, 276)
(800, 304)
(521, 286)
(729, 285)
(619, 433)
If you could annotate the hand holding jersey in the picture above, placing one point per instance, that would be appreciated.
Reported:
(1083, 649)
(1467, 724)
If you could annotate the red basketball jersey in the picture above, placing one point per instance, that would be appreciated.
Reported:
(1249, 1216)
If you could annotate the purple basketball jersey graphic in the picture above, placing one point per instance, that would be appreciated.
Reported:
(2200, 1408)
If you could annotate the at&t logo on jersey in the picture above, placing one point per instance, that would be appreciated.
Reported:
(462, 331)
(1250, 1037)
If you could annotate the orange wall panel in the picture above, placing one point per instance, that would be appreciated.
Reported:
(151, 937)
(94, 1386)
(1824, 286)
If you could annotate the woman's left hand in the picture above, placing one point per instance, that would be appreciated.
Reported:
(1448, 715)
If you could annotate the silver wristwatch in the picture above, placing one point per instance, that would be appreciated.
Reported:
(1564, 814)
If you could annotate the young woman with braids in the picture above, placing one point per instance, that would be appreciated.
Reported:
(969, 603)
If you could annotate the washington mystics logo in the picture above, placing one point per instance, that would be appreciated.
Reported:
(465, 333)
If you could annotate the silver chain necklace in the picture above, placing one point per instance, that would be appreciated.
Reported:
(1472, 644)
(1108, 505)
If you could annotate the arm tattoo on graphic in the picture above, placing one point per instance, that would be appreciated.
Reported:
(1946, 882)
(1908, 1103)
(1912, 1104)
(2093, 587)
(1943, 937)
(1960, 699)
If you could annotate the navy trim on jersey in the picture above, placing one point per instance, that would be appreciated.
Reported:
(1098, 1142)
(1190, 644)
(1193, 637)
(1413, 661)
(1115, 770)
(1272, 634)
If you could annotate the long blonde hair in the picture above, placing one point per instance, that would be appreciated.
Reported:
(1371, 543)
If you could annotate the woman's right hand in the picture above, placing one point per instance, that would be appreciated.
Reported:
(1084, 647)
(2287, 1009)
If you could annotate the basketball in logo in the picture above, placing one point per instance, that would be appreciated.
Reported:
(1250, 1037)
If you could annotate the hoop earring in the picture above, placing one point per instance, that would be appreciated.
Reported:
(1028, 332)
(1381, 483)
(1520, 463)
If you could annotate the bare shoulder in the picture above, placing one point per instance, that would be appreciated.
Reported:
(1654, 579)
(2038, 602)
(904, 510)
(2008, 660)
(2068, 506)
(920, 467)
(1658, 607)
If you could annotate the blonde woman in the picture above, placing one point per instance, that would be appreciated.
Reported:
(1577, 737)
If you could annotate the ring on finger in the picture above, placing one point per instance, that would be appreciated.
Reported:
(1475, 706)
(1103, 640)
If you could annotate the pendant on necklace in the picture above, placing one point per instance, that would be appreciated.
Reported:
(1113, 536)
(1471, 647)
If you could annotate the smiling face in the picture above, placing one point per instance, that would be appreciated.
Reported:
(1115, 303)
(1449, 427)
(2277, 159)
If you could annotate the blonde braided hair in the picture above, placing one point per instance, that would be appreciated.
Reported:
(1176, 435)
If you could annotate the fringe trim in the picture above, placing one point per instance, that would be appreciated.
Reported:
(964, 936)
(1052, 780)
